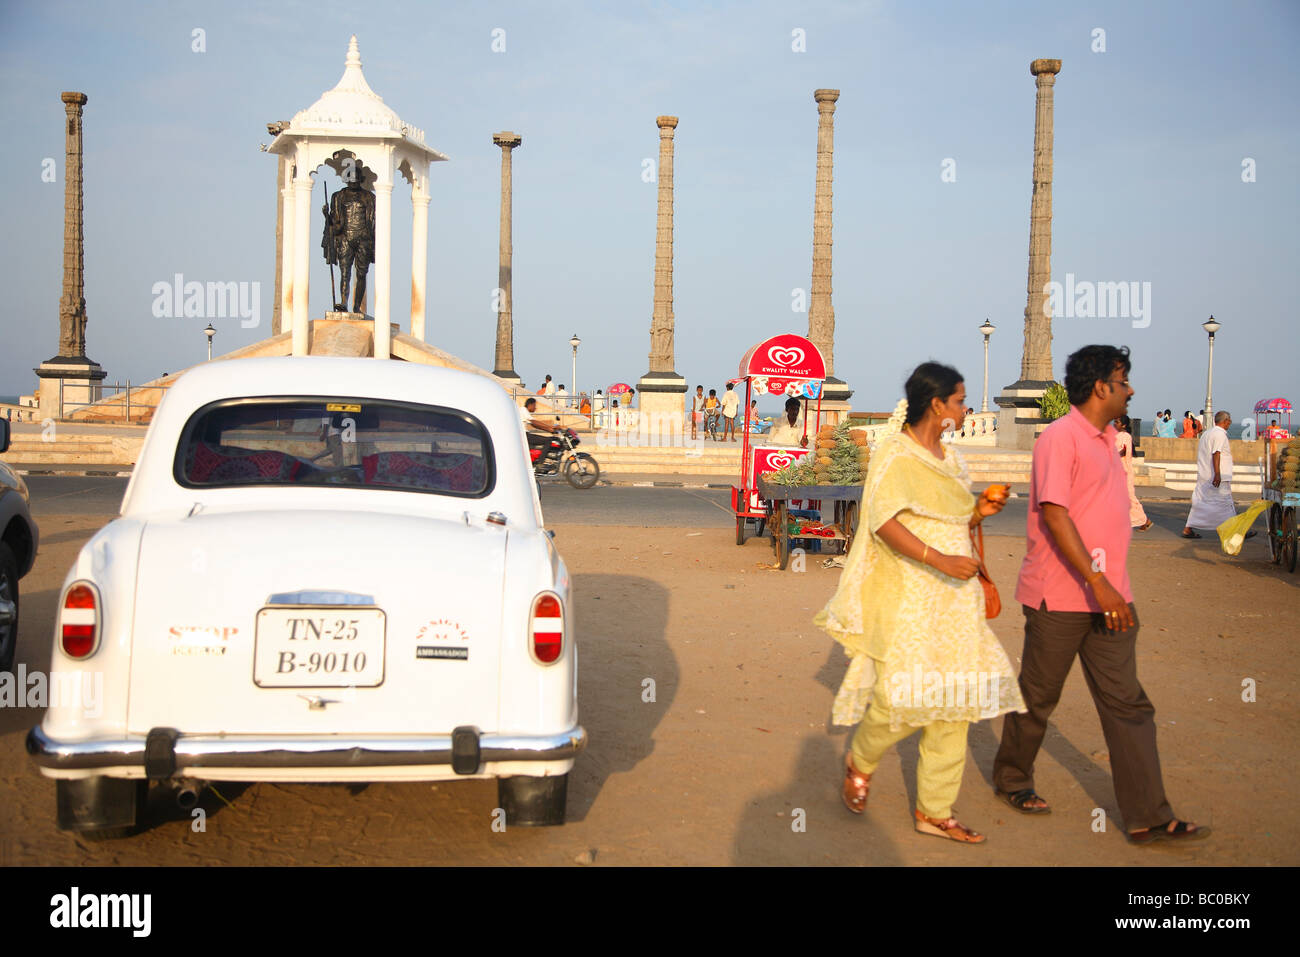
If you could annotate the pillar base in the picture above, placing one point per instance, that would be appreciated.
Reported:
(1020, 420)
(78, 378)
(836, 390)
(833, 412)
(661, 419)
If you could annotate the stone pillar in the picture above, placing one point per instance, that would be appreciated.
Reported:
(662, 415)
(505, 351)
(72, 304)
(383, 258)
(277, 301)
(80, 376)
(302, 186)
(287, 255)
(419, 253)
(821, 312)
(1019, 418)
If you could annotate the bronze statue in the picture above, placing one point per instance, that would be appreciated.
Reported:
(349, 238)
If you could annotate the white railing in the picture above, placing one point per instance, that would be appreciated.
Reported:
(979, 428)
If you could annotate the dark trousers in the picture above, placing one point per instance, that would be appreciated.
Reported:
(1109, 660)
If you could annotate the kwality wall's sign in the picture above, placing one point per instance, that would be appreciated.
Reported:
(784, 357)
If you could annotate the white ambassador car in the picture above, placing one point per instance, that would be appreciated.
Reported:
(325, 570)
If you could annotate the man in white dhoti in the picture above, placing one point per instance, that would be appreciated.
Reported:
(1212, 497)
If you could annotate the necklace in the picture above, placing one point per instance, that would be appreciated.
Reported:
(928, 448)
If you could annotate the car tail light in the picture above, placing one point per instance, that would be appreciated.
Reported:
(79, 620)
(546, 630)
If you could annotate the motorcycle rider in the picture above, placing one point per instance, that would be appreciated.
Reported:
(529, 416)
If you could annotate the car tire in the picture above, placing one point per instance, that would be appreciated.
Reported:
(100, 808)
(532, 801)
(8, 593)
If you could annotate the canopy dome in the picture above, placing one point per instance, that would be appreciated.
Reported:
(352, 107)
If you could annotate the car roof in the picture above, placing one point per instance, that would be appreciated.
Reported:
(153, 486)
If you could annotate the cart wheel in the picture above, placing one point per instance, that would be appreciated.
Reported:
(1275, 533)
(850, 524)
(740, 529)
(1289, 537)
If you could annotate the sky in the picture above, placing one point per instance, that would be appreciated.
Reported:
(1177, 167)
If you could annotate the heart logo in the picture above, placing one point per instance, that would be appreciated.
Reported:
(779, 460)
(785, 357)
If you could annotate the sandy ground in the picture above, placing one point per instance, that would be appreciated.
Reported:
(734, 761)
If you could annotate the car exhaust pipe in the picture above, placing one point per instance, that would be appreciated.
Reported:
(188, 793)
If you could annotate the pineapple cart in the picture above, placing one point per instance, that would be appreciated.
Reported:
(781, 485)
(785, 365)
(785, 527)
(1281, 488)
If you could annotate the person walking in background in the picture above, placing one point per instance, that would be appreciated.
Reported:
(598, 409)
(1137, 515)
(730, 406)
(561, 397)
(908, 609)
(1212, 498)
(697, 410)
(548, 388)
(1074, 587)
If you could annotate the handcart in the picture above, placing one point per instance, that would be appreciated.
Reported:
(785, 365)
(848, 504)
(1283, 511)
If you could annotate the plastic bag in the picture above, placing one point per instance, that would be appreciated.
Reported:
(1233, 532)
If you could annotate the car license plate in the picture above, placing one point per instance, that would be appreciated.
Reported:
(307, 647)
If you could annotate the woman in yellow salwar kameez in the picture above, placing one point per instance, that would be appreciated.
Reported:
(910, 612)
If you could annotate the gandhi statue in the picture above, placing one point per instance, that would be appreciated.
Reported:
(349, 238)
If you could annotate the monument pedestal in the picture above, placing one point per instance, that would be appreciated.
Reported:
(833, 411)
(67, 384)
(1019, 417)
(662, 416)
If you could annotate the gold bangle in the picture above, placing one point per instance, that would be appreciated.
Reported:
(925, 553)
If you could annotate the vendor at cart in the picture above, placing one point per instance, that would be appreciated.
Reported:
(788, 429)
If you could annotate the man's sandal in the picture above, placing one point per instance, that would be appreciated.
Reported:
(952, 829)
(1022, 801)
(1181, 831)
(856, 787)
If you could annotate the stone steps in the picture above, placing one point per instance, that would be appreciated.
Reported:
(74, 449)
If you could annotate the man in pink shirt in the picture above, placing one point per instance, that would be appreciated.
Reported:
(1077, 601)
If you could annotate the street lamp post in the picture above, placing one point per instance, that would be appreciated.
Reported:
(575, 342)
(209, 332)
(1211, 327)
(987, 329)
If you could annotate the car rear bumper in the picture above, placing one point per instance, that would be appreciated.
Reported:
(167, 754)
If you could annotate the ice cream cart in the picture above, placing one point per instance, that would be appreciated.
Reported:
(792, 367)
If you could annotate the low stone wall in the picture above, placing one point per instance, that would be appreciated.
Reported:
(1156, 449)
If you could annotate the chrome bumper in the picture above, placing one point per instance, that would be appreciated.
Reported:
(211, 752)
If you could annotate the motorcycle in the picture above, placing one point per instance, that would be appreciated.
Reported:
(556, 456)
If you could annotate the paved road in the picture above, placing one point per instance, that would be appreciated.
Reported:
(562, 505)
(603, 505)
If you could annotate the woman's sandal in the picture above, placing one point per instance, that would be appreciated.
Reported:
(856, 787)
(1020, 800)
(1191, 534)
(1143, 528)
(952, 829)
(1181, 830)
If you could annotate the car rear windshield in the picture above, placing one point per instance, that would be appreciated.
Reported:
(354, 442)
